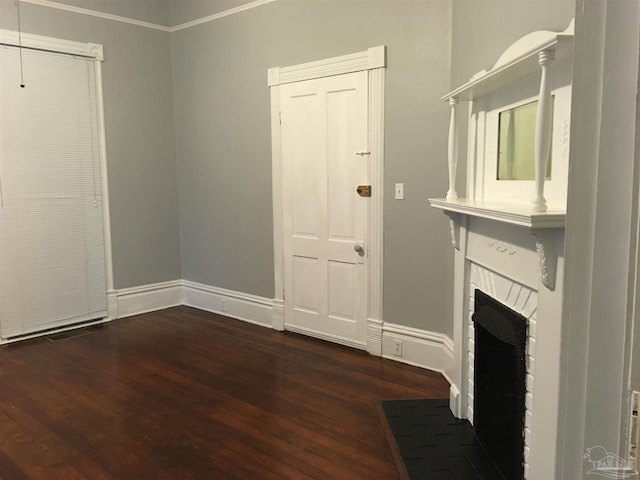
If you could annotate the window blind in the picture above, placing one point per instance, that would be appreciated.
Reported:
(52, 270)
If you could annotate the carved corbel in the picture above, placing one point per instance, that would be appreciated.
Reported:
(547, 256)
(454, 229)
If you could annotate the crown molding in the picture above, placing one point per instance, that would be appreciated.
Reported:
(95, 13)
(225, 13)
(141, 23)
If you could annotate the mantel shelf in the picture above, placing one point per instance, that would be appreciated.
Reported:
(513, 214)
(543, 225)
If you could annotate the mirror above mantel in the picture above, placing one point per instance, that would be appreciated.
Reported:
(518, 124)
(518, 116)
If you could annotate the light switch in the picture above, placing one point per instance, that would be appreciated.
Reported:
(399, 191)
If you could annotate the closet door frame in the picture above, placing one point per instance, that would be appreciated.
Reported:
(92, 51)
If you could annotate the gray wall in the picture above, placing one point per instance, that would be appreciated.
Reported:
(140, 138)
(219, 102)
(482, 29)
(224, 150)
(223, 144)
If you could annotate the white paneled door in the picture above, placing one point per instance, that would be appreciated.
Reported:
(324, 133)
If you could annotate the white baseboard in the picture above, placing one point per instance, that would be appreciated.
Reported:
(278, 314)
(454, 400)
(325, 336)
(112, 304)
(421, 348)
(242, 306)
(146, 298)
(374, 336)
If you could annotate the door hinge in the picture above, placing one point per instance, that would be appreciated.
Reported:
(362, 154)
(280, 117)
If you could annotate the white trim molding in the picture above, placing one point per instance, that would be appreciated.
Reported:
(112, 304)
(225, 13)
(95, 13)
(142, 23)
(326, 337)
(376, 204)
(148, 298)
(157, 296)
(374, 336)
(420, 348)
(278, 314)
(51, 44)
(53, 331)
(242, 306)
(373, 58)
(602, 203)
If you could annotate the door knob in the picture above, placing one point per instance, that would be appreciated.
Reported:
(358, 248)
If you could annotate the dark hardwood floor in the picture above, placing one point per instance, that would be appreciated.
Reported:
(182, 394)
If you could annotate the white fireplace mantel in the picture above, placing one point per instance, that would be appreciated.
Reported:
(541, 224)
(514, 214)
(508, 244)
(545, 53)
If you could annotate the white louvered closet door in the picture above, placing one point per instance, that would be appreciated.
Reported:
(52, 270)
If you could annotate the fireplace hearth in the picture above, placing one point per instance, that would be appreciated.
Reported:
(500, 383)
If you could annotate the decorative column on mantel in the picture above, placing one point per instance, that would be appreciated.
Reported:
(453, 150)
(543, 131)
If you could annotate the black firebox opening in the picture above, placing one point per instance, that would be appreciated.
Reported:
(500, 383)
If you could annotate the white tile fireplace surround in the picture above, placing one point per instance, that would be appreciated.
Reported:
(510, 263)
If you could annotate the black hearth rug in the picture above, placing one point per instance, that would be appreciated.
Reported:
(429, 443)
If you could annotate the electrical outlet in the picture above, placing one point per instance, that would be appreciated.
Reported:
(397, 347)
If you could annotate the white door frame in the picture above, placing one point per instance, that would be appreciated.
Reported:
(94, 52)
(374, 61)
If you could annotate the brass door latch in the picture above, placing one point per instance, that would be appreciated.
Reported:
(364, 190)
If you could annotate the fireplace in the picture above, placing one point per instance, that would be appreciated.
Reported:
(511, 247)
(504, 263)
(500, 383)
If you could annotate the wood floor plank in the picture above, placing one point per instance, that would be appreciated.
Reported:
(183, 393)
